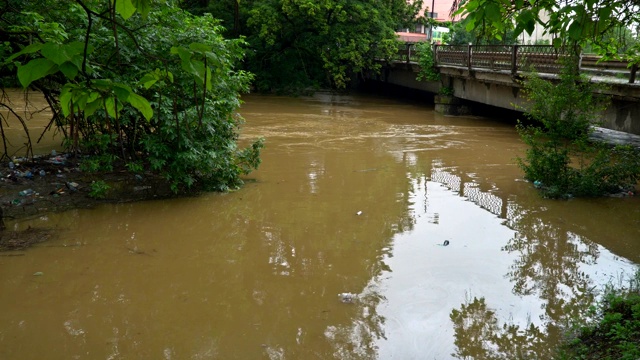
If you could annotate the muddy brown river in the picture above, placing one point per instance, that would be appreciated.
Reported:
(356, 195)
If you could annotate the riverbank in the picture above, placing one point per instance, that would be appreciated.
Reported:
(54, 183)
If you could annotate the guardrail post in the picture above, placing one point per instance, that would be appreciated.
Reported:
(435, 54)
(632, 75)
(514, 60)
(580, 61)
(469, 57)
(408, 45)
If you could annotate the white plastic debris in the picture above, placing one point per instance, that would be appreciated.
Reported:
(359, 213)
(348, 298)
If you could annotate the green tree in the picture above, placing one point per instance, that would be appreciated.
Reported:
(574, 23)
(294, 44)
(152, 87)
(427, 62)
(229, 12)
(460, 35)
(561, 160)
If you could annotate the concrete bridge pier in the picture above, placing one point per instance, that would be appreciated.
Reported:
(451, 105)
(501, 89)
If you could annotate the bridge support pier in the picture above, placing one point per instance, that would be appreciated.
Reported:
(451, 105)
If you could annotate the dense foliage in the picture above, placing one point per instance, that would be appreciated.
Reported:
(427, 63)
(588, 22)
(461, 35)
(296, 44)
(561, 160)
(134, 83)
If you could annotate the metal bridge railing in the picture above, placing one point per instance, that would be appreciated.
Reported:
(407, 53)
(512, 58)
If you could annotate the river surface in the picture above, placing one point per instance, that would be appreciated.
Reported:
(356, 194)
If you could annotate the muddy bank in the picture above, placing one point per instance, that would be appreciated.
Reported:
(53, 183)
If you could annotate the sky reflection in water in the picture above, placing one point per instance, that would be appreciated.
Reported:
(440, 302)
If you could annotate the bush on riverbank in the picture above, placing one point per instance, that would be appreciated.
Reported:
(561, 160)
(146, 88)
(613, 332)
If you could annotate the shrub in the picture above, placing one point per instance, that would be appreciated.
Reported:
(149, 85)
(427, 62)
(99, 189)
(561, 159)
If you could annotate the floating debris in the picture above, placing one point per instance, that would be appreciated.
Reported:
(359, 213)
(27, 192)
(348, 298)
(57, 160)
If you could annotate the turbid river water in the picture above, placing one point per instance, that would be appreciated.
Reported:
(356, 194)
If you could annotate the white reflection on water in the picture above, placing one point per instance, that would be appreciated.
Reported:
(427, 281)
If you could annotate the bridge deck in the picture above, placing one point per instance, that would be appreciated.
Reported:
(516, 59)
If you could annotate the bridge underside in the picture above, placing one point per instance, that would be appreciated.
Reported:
(500, 89)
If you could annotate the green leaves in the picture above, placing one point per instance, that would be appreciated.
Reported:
(151, 78)
(526, 21)
(61, 53)
(575, 30)
(193, 61)
(578, 22)
(310, 43)
(126, 8)
(66, 58)
(561, 158)
(426, 60)
(76, 98)
(141, 104)
(136, 100)
(30, 49)
(34, 70)
(492, 13)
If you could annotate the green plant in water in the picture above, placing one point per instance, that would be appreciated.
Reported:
(614, 329)
(427, 61)
(99, 189)
(562, 160)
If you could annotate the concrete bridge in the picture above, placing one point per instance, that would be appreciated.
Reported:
(491, 74)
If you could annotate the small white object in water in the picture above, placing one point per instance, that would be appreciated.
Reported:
(348, 298)
(359, 213)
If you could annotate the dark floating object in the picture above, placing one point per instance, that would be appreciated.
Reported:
(445, 243)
